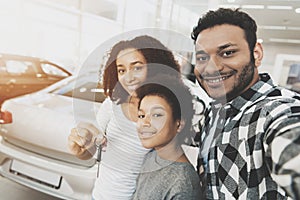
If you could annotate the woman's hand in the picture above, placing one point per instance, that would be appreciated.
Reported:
(81, 141)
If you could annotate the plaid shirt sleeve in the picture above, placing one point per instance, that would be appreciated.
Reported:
(282, 150)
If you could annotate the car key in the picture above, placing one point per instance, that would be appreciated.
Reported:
(99, 152)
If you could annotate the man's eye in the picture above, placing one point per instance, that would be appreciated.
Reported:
(202, 58)
(227, 53)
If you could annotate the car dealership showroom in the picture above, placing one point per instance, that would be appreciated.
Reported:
(52, 61)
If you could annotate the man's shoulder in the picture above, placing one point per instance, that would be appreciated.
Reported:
(280, 103)
(279, 95)
(284, 93)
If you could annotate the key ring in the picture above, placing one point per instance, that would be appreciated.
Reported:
(98, 140)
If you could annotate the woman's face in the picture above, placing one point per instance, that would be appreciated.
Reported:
(156, 126)
(131, 68)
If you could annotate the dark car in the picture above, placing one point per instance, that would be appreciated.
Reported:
(21, 75)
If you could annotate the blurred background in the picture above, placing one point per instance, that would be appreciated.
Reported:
(46, 41)
(65, 31)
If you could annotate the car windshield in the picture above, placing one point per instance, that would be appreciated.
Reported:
(82, 88)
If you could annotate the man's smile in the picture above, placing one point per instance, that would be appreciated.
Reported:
(216, 80)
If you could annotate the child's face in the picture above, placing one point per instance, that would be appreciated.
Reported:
(132, 69)
(156, 126)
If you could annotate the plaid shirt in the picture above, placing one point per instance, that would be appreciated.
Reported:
(255, 151)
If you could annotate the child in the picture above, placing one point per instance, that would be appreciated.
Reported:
(164, 123)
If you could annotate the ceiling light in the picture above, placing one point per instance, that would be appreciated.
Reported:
(284, 40)
(229, 6)
(297, 10)
(293, 28)
(280, 7)
(260, 40)
(273, 27)
(253, 6)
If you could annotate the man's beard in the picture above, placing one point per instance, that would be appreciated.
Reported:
(242, 83)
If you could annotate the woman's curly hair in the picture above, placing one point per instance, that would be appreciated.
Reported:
(158, 57)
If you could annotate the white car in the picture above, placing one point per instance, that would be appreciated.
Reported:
(34, 150)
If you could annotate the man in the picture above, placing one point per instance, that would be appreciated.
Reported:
(250, 145)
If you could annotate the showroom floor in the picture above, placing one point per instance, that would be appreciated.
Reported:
(12, 191)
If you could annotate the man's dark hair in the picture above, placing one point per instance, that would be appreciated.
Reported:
(228, 16)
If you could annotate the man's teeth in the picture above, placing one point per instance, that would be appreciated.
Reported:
(217, 80)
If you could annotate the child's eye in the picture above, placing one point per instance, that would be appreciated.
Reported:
(157, 115)
(141, 116)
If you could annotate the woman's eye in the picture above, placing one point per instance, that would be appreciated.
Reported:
(138, 68)
(121, 71)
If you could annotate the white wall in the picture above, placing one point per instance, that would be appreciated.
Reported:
(271, 54)
(51, 30)
(66, 31)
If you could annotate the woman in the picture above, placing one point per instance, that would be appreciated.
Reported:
(165, 111)
(129, 64)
